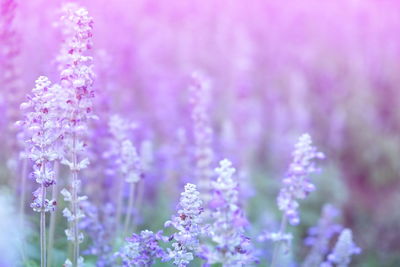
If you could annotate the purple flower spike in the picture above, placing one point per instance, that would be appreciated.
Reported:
(319, 236)
(142, 250)
(188, 223)
(42, 129)
(297, 184)
(230, 245)
(344, 249)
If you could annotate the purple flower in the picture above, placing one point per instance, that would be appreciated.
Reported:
(121, 150)
(297, 184)
(344, 249)
(75, 94)
(98, 224)
(188, 224)
(202, 132)
(130, 164)
(41, 127)
(142, 250)
(319, 236)
(229, 244)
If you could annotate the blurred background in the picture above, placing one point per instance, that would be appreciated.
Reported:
(277, 69)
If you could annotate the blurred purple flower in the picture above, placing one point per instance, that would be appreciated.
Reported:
(297, 184)
(142, 250)
(319, 236)
(344, 249)
(98, 224)
(202, 132)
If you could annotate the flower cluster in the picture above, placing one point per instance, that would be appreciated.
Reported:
(42, 128)
(202, 132)
(119, 128)
(10, 74)
(76, 81)
(117, 176)
(319, 236)
(126, 165)
(142, 250)
(188, 224)
(129, 162)
(344, 249)
(76, 90)
(7, 33)
(297, 184)
(121, 151)
(76, 68)
(98, 224)
(228, 222)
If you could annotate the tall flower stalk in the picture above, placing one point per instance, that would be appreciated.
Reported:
(132, 171)
(98, 224)
(320, 235)
(142, 249)
(12, 95)
(231, 246)
(202, 133)
(189, 226)
(41, 125)
(76, 86)
(296, 185)
(10, 78)
(126, 165)
(53, 216)
(344, 249)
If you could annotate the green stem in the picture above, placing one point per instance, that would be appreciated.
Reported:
(22, 203)
(130, 207)
(53, 216)
(120, 198)
(43, 224)
(139, 200)
(277, 246)
(23, 189)
(74, 203)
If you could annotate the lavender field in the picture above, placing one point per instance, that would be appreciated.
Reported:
(200, 133)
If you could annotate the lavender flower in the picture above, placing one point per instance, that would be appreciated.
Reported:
(129, 162)
(76, 82)
(202, 132)
(142, 250)
(344, 249)
(98, 224)
(228, 222)
(188, 223)
(126, 163)
(147, 155)
(297, 184)
(119, 128)
(41, 127)
(76, 67)
(10, 78)
(320, 235)
(7, 40)
(132, 170)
